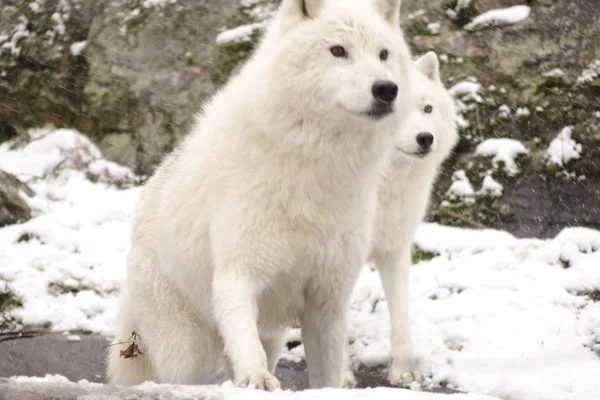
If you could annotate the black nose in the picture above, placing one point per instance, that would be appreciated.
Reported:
(385, 91)
(425, 140)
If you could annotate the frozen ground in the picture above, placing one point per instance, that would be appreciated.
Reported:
(490, 314)
(59, 388)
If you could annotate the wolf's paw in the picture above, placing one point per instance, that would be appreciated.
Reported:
(258, 380)
(348, 379)
(403, 373)
(404, 379)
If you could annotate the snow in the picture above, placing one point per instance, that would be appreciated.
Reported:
(60, 23)
(19, 34)
(466, 94)
(465, 88)
(434, 28)
(35, 6)
(59, 384)
(590, 73)
(491, 187)
(502, 150)
(563, 148)
(491, 314)
(461, 187)
(239, 33)
(522, 112)
(555, 73)
(79, 237)
(154, 3)
(249, 3)
(501, 16)
(504, 111)
(508, 304)
(77, 48)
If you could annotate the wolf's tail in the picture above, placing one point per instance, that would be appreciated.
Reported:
(125, 364)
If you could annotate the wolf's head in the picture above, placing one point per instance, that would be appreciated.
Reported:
(340, 61)
(429, 131)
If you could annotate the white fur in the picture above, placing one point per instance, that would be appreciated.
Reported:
(263, 214)
(403, 199)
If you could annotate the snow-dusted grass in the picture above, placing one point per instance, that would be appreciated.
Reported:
(242, 32)
(589, 74)
(78, 48)
(68, 261)
(490, 187)
(491, 314)
(461, 188)
(468, 88)
(501, 16)
(563, 148)
(503, 151)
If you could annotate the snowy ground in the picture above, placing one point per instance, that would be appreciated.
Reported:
(490, 314)
(57, 387)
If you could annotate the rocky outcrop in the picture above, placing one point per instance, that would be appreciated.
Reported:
(13, 207)
(129, 73)
(41, 79)
(537, 77)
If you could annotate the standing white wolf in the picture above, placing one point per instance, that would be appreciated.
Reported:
(263, 215)
(427, 138)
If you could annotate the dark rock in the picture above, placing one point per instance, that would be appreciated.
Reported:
(149, 71)
(134, 87)
(41, 81)
(13, 208)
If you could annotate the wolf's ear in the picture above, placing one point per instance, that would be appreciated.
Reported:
(390, 9)
(429, 66)
(301, 9)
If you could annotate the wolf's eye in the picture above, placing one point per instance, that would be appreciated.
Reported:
(428, 109)
(383, 55)
(338, 51)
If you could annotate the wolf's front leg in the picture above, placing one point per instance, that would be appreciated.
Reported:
(395, 273)
(324, 338)
(348, 378)
(236, 311)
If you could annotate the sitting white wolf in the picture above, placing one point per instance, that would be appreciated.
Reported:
(428, 136)
(263, 215)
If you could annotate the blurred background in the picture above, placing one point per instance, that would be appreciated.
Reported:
(130, 74)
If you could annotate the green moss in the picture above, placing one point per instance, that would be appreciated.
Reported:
(58, 288)
(551, 85)
(7, 131)
(566, 264)
(417, 27)
(472, 216)
(85, 332)
(460, 67)
(593, 295)
(419, 255)
(231, 55)
(9, 300)
(107, 108)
